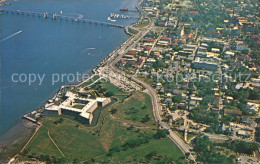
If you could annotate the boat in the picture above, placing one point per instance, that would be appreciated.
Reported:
(113, 20)
(112, 14)
(61, 12)
(91, 48)
(108, 18)
(124, 9)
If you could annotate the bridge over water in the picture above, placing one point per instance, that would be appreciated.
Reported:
(55, 16)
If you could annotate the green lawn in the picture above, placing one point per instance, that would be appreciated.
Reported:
(78, 106)
(42, 145)
(75, 142)
(136, 108)
(163, 147)
(121, 95)
(88, 82)
(80, 143)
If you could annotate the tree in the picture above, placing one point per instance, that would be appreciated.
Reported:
(113, 111)
(177, 98)
(254, 94)
(109, 94)
(207, 153)
(146, 119)
(161, 134)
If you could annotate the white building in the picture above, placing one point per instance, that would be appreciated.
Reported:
(85, 114)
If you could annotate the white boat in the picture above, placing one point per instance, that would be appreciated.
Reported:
(113, 20)
(61, 12)
(108, 18)
(91, 48)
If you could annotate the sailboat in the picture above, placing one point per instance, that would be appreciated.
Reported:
(61, 12)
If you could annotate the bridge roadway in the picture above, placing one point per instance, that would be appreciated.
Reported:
(55, 16)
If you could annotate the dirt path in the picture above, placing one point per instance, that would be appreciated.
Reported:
(54, 142)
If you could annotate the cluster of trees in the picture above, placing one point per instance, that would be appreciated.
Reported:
(113, 111)
(254, 94)
(43, 158)
(135, 142)
(177, 98)
(240, 146)
(160, 134)
(161, 158)
(113, 150)
(132, 143)
(207, 152)
(109, 94)
(146, 118)
(242, 96)
(103, 90)
(199, 114)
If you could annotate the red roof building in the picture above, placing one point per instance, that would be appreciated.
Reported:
(131, 52)
(168, 39)
(148, 40)
(194, 12)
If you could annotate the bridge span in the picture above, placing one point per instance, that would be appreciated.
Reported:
(55, 16)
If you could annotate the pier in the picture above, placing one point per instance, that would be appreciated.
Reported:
(55, 16)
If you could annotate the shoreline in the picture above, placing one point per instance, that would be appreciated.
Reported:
(14, 140)
(19, 130)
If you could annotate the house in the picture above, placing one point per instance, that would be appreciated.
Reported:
(247, 120)
(240, 46)
(232, 112)
(243, 133)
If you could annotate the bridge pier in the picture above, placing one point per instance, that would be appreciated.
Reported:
(54, 16)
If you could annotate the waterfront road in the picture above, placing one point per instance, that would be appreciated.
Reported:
(184, 147)
(110, 64)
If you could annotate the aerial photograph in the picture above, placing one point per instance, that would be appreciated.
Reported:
(130, 81)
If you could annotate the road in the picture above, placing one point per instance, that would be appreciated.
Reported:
(185, 148)
(110, 65)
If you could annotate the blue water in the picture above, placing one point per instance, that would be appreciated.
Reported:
(45, 47)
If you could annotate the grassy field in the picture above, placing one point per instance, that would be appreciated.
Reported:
(94, 78)
(163, 148)
(106, 142)
(42, 145)
(137, 108)
(78, 106)
(121, 95)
